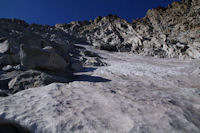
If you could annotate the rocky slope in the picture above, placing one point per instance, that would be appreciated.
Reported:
(60, 87)
(110, 33)
(31, 55)
(173, 31)
(164, 32)
(36, 55)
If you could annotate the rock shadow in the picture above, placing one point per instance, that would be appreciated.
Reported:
(89, 78)
(8, 126)
(88, 69)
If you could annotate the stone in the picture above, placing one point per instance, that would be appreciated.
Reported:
(62, 50)
(106, 33)
(3, 93)
(161, 33)
(193, 53)
(8, 59)
(170, 26)
(95, 62)
(33, 78)
(90, 54)
(76, 66)
(43, 58)
(36, 58)
(196, 44)
(4, 82)
(49, 49)
(17, 67)
(8, 46)
(8, 68)
(4, 46)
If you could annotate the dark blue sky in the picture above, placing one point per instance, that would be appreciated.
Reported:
(64, 11)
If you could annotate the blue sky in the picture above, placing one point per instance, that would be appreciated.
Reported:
(64, 11)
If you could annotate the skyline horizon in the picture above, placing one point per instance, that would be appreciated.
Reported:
(49, 17)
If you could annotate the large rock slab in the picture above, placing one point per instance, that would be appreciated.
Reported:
(9, 59)
(18, 80)
(8, 46)
(36, 58)
(33, 78)
(44, 56)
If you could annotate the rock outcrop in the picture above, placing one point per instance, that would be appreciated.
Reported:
(32, 55)
(106, 33)
(171, 32)
(45, 58)
(36, 55)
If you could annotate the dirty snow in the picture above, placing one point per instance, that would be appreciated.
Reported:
(133, 94)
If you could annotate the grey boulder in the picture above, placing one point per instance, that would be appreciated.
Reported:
(95, 62)
(8, 59)
(34, 78)
(8, 46)
(8, 68)
(37, 58)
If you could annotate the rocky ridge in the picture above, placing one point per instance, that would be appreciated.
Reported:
(174, 31)
(107, 33)
(171, 32)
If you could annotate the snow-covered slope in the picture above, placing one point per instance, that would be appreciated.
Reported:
(133, 94)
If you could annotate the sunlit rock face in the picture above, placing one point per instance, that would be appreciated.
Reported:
(171, 32)
(174, 30)
(108, 33)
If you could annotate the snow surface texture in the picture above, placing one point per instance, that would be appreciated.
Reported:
(133, 94)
